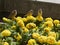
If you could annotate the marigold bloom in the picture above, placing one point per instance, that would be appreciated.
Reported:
(18, 18)
(49, 19)
(31, 42)
(56, 21)
(20, 23)
(35, 35)
(6, 43)
(42, 39)
(58, 43)
(6, 19)
(13, 27)
(6, 33)
(48, 24)
(47, 29)
(53, 34)
(25, 29)
(51, 40)
(31, 25)
(24, 19)
(39, 18)
(18, 37)
(31, 18)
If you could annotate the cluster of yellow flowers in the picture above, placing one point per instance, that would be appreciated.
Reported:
(30, 30)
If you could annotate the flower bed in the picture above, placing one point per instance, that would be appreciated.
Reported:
(29, 30)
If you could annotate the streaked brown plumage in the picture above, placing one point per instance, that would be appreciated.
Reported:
(13, 14)
(29, 13)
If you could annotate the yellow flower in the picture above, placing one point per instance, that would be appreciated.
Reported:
(49, 19)
(56, 21)
(47, 29)
(18, 37)
(58, 25)
(51, 40)
(6, 33)
(35, 35)
(48, 23)
(31, 42)
(6, 19)
(31, 25)
(42, 39)
(20, 23)
(31, 18)
(18, 18)
(24, 19)
(58, 43)
(39, 18)
(13, 27)
(36, 28)
(53, 34)
(25, 29)
(6, 43)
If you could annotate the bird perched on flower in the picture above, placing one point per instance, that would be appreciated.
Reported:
(39, 16)
(13, 14)
(29, 16)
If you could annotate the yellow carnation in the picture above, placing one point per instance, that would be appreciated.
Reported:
(24, 19)
(13, 27)
(31, 42)
(42, 39)
(48, 24)
(18, 18)
(56, 21)
(58, 43)
(39, 18)
(47, 29)
(53, 34)
(25, 29)
(51, 40)
(6, 19)
(6, 43)
(58, 25)
(20, 23)
(6, 33)
(31, 18)
(31, 25)
(18, 37)
(36, 28)
(49, 19)
(35, 35)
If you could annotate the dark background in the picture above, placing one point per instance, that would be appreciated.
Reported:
(49, 9)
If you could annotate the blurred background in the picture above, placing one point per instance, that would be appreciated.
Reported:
(50, 8)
